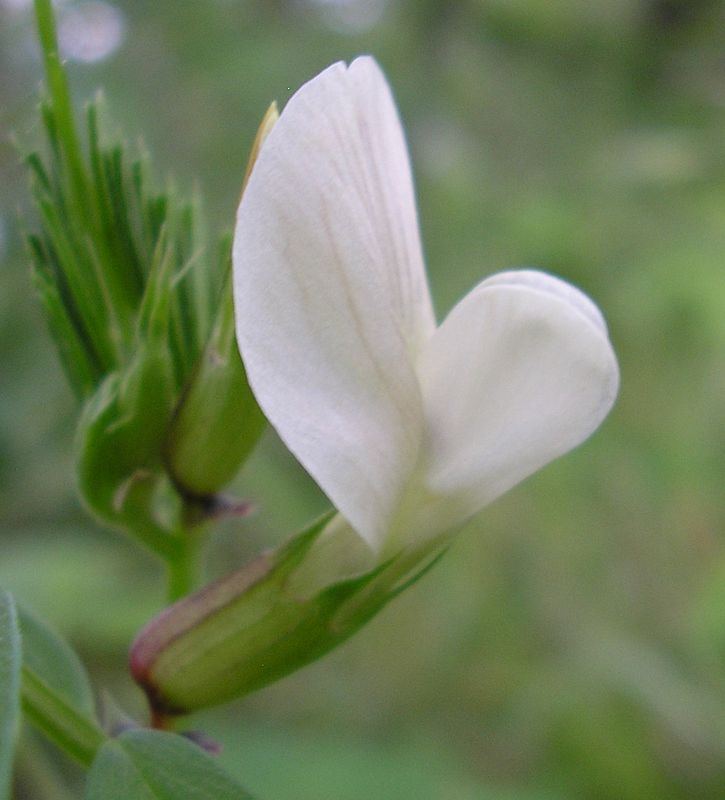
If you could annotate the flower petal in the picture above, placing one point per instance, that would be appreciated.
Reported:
(380, 168)
(535, 279)
(330, 293)
(520, 372)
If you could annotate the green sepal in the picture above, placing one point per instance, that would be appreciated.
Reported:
(251, 628)
(120, 436)
(217, 422)
(153, 765)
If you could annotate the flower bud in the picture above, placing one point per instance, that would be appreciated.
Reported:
(261, 623)
(217, 421)
(119, 438)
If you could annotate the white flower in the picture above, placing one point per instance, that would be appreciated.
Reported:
(408, 427)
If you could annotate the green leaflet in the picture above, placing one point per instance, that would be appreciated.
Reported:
(151, 765)
(52, 685)
(73, 731)
(55, 662)
(10, 662)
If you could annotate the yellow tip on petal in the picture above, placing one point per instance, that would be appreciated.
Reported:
(271, 115)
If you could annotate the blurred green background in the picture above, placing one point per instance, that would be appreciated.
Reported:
(572, 643)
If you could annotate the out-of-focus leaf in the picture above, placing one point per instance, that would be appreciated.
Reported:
(412, 764)
(151, 765)
(10, 661)
(53, 660)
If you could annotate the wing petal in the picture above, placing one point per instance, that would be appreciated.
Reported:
(520, 372)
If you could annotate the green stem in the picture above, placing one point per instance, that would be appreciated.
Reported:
(169, 548)
(60, 94)
(74, 733)
(182, 568)
(180, 579)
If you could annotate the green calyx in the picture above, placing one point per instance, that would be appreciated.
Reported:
(251, 628)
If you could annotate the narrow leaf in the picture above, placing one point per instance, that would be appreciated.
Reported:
(10, 660)
(74, 347)
(151, 765)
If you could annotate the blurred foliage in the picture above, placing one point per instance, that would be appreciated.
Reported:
(572, 643)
